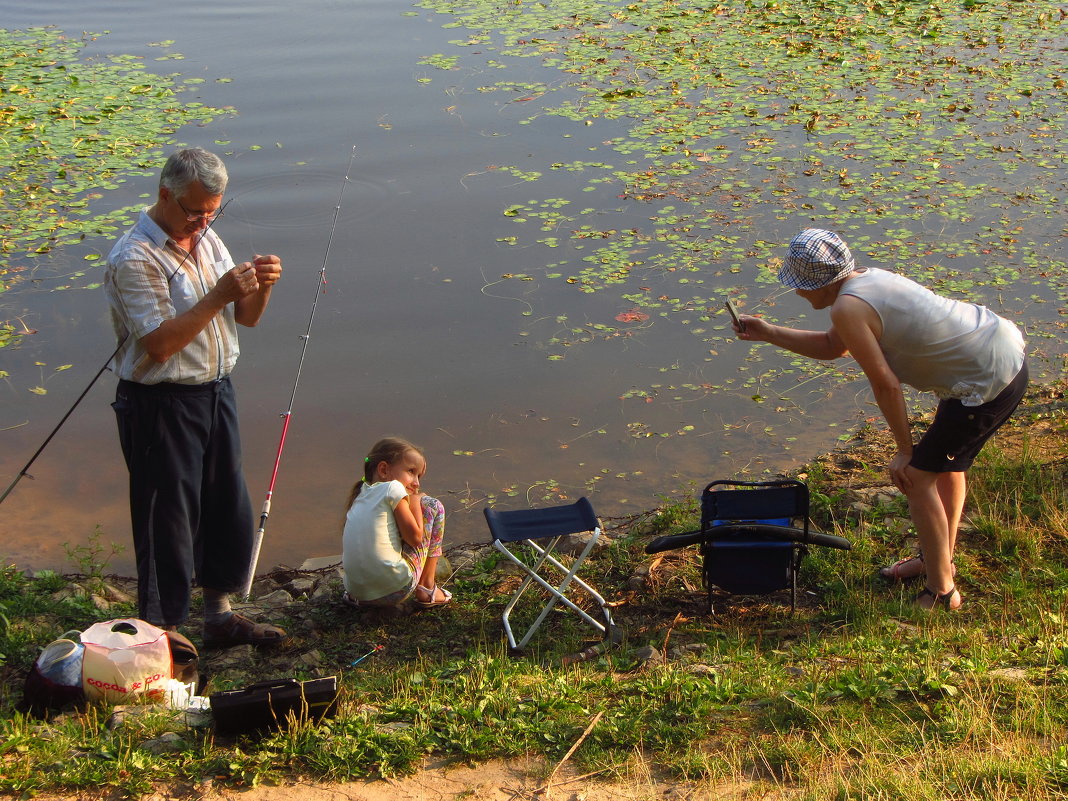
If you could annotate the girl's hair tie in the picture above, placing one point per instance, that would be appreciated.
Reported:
(366, 459)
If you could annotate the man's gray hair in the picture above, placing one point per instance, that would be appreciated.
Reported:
(193, 164)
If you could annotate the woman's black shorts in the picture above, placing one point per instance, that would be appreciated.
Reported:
(959, 432)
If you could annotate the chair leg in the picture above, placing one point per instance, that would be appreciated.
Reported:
(556, 592)
(795, 565)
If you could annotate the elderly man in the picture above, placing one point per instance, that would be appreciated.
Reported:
(176, 297)
(901, 333)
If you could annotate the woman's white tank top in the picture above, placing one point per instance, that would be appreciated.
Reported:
(951, 348)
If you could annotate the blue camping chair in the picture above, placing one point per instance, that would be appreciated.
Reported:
(521, 530)
(749, 543)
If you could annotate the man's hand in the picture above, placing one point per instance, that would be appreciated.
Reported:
(265, 272)
(268, 269)
(237, 282)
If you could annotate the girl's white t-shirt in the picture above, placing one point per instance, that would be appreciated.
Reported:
(371, 545)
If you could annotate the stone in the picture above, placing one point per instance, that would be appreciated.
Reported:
(1009, 675)
(444, 571)
(301, 585)
(117, 596)
(574, 544)
(702, 670)
(225, 658)
(649, 656)
(168, 743)
(325, 590)
(635, 583)
(320, 562)
(66, 593)
(465, 557)
(275, 599)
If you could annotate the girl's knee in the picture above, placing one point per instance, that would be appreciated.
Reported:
(433, 507)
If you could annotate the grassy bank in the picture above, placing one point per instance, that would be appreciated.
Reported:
(856, 695)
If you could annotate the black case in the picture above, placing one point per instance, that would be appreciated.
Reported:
(272, 704)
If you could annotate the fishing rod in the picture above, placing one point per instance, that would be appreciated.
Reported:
(25, 470)
(265, 512)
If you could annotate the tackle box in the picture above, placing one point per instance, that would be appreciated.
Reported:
(273, 704)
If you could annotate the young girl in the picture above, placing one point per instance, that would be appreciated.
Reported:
(393, 532)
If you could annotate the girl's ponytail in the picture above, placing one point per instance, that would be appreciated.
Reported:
(387, 450)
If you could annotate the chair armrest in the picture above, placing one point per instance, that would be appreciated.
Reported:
(789, 533)
(670, 542)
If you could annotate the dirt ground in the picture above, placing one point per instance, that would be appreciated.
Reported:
(514, 780)
(493, 781)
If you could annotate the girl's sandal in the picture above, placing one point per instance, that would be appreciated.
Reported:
(432, 594)
(944, 600)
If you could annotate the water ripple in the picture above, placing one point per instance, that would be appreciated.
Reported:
(304, 198)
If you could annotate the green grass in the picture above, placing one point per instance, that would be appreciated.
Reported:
(856, 695)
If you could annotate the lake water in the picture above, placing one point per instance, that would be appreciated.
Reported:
(416, 334)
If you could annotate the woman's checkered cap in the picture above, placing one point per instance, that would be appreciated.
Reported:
(815, 258)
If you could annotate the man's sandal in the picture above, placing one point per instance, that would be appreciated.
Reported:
(239, 630)
(944, 600)
(432, 594)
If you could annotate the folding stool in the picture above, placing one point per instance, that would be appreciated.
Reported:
(518, 531)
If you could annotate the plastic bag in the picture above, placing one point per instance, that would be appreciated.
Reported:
(61, 660)
(55, 680)
(125, 659)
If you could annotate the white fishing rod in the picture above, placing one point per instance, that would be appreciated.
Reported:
(257, 544)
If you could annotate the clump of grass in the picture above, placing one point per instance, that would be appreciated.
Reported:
(91, 560)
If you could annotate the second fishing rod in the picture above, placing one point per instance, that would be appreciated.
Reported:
(287, 415)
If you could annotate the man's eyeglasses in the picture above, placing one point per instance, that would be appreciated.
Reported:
(197, 216)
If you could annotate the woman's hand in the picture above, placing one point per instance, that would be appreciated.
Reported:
(753, 329)
(899, 467)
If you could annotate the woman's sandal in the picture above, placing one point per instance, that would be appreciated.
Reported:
(911, 567)
(944, 600)
(432, 594)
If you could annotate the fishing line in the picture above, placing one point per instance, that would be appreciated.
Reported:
(25, 470)
(265, 512)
